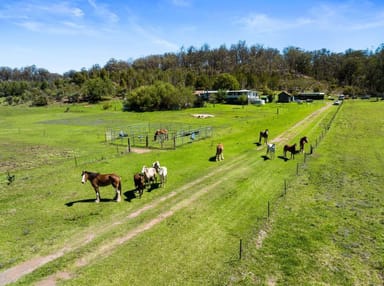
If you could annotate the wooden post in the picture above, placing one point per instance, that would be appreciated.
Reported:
(146, 141)
(285, 186)
(75, 161)
(269, 209)
(240, 249)
(174, 142)
(129, 145)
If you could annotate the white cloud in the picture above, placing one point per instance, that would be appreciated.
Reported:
(262, 23)
(102, 11)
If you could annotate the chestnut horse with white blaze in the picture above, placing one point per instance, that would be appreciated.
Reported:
(219, 152)
(100, 180)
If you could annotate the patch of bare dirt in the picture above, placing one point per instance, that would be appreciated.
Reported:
(140, 150)
(203, 116)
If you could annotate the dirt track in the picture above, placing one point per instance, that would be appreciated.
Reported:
(16, 272)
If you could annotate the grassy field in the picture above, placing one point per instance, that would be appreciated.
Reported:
(329, 228)
(187, 233)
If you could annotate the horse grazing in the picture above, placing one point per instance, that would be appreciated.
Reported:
(162, 134)
(271, 148)
(149, 174)
(100, 180)
(263, 134)
(162, 171)
(219, 152)
(291, 149)
(303, 141)
(139, 181)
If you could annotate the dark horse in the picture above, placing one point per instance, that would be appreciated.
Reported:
(139, 180)
(219, 152)
(291, 149)
(263, 134)
(162, 134)
(303, 141)
(100, 180)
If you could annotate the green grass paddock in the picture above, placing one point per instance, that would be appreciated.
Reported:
(46, 149)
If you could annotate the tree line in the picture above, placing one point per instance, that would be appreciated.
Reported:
(167, 81)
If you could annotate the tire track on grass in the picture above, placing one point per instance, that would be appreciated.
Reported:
(14, 273)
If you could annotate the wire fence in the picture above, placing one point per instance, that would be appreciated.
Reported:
(299, 168)
(144, 136)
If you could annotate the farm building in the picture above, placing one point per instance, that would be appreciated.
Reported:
(285, 97)
(231, 96)
(311, 96)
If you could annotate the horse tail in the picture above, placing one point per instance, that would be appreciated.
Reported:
(119, 185)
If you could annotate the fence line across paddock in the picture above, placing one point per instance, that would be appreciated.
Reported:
(263, 221)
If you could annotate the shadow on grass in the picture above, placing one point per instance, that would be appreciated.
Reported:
(69, 204)
(265, 157)
(212, 159)
(283, 158)
(153, 186)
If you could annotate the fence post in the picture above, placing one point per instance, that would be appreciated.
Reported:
(240, 249)
(174, 142)
(285, 186)
(297, 169)
(129, 145)
(146, 141)
(269, 209)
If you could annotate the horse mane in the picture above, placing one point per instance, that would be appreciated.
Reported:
(92, 174)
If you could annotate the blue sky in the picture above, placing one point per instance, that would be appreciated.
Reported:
(75, 34)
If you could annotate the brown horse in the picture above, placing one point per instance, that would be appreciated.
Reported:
(302, 142)
(219, 152)
(263, 134)
(100, 180)
(162, 134)
(139, 180)
(291, 149)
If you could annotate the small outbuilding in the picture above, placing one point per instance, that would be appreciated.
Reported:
(285, 97)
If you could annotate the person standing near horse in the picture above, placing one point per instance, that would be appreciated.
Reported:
(263, 134)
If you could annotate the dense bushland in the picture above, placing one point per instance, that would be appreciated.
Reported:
(354, 72)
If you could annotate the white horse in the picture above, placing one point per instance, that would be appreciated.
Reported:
(271, 148)
(162, 171)
(149, 174)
